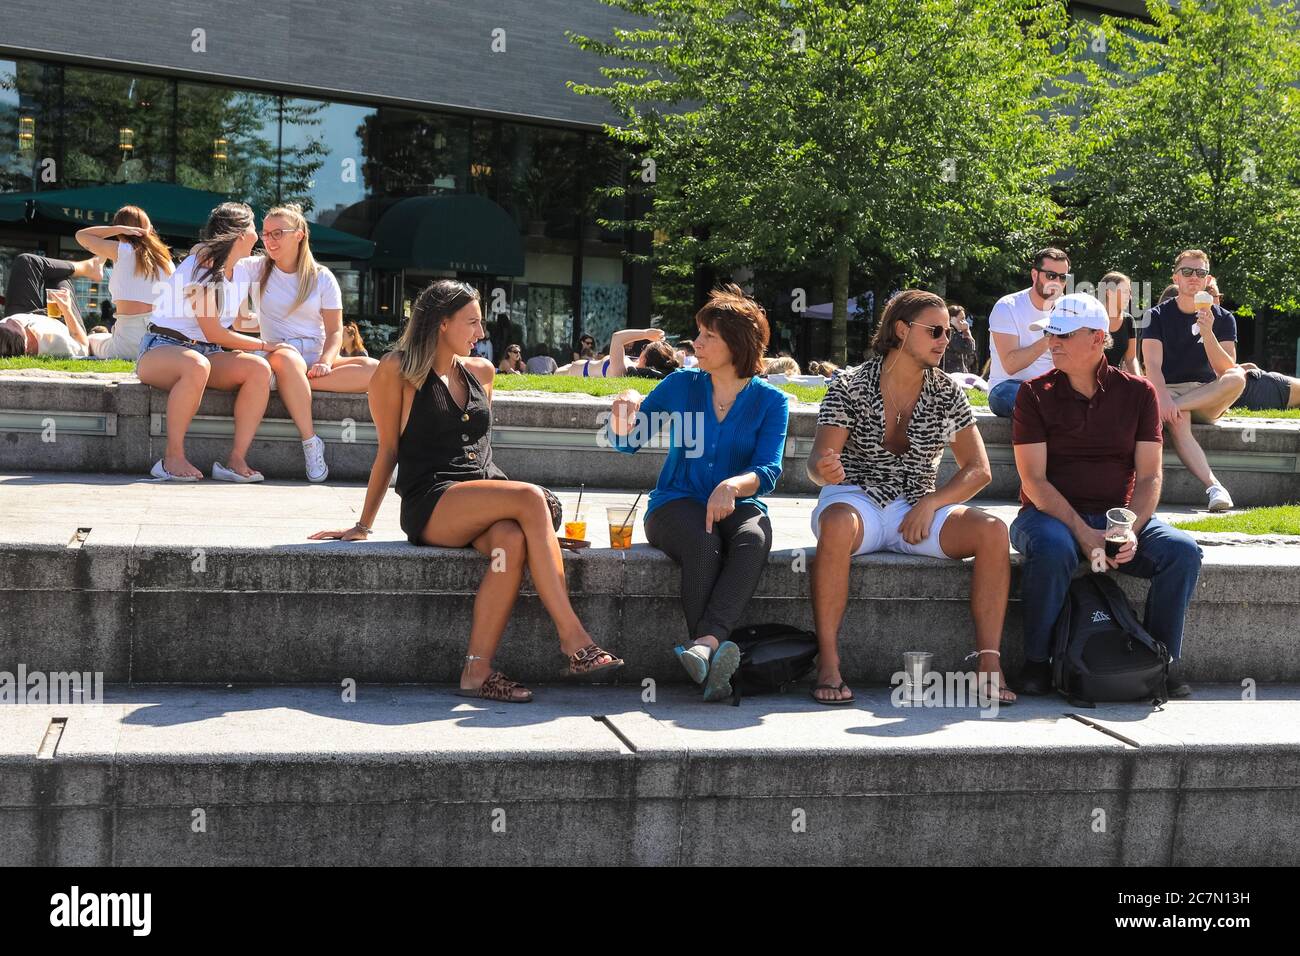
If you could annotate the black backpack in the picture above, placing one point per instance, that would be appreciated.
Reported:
(772, 657)
(1100, 652)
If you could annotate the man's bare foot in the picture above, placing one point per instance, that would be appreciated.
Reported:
(180, 467)
(831, 686)
(993, 681)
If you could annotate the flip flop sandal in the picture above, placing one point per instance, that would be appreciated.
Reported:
(726, 660)
(835, 687)
(499, 688)
(579, 667)
(983, 700)
(221, 473)
(162, 474)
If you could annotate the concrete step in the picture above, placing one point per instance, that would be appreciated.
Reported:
(416, 776)
(217, 584)
(117, 424)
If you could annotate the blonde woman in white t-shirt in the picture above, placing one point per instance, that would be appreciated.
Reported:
(297, 302)
(140, 259)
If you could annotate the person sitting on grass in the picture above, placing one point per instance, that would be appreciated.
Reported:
(431, 402)
(38, 334)
(586, 348)
(706, 511)
(1087, 438)
(652, 357)
(512, 362)
(880, 434)
(1189, 352)
(353, 343)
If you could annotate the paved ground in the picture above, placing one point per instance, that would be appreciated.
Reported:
(49, 507)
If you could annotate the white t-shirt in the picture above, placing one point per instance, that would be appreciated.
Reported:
(1012, 315)
(273, 304)
(52, 336)
(483, 349)
(172, 310)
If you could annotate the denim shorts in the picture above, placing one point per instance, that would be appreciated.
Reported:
(153, 340)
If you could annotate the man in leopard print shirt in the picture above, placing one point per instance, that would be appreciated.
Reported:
(880, 434)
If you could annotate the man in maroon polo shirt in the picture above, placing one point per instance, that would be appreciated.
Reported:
(1087, 438)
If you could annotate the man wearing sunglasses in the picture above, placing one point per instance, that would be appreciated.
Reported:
(881, 432)
(1189, 352)
(1087, 438)
(1019, 352)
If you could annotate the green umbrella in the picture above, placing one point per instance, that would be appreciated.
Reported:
(175, 210)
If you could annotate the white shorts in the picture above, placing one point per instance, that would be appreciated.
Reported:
(880, 525)
(309, 349)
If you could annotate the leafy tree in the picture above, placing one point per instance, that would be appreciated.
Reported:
(1188, 140)
(908, 137)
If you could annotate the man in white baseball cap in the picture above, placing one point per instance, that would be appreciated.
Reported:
(1078, 310)
(1087, 438)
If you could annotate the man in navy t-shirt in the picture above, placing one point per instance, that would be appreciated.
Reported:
(1189, 352)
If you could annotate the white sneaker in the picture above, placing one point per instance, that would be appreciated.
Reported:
(313, 449)
(1220, 500)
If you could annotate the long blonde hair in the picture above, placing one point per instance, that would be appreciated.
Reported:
(307, 267)
(151, 254)
(419, 340)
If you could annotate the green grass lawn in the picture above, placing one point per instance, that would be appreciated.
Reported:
(67, 365)
(1284, 519)
(548, 383)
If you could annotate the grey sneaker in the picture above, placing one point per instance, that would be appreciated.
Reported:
(726, 659)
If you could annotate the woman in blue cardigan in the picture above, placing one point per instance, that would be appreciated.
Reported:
(727, 434)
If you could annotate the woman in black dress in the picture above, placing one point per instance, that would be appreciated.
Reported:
(430, 400)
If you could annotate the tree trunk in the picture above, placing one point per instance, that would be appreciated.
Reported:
(840, 309)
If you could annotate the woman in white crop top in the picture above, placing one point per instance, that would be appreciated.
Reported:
(140, 259)
(297, 302)
(182, 352)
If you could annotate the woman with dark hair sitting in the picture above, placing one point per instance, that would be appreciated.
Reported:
(430, 400)
(512, 363)
(727, 437)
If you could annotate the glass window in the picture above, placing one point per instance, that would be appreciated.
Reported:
(228, 141)
(423, 154)
(28, 96)
(117, 128)
(546, 178)
(323, 157)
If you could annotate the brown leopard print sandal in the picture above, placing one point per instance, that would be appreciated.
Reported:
(585, 662)
(499, 688)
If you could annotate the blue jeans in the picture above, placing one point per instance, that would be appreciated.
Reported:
(1167, 557)
(1002, 397)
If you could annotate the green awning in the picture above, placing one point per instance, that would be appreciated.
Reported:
(175, 210)
(459, 233)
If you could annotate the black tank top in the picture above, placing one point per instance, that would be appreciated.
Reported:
(442, 442)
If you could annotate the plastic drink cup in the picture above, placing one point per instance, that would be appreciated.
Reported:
(576, 526)
(915, 666)
(52, 305)
(621, 522)
(1119, 524)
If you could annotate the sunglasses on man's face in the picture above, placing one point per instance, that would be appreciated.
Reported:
(1063, 335)
(1051, 276)
(1187, 272)
(936, 331)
